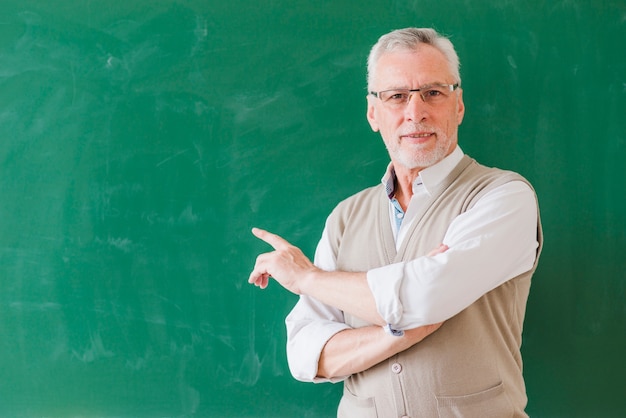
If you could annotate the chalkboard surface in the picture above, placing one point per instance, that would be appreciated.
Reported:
(141, 140)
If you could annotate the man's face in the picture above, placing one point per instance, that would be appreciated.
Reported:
(418, 134)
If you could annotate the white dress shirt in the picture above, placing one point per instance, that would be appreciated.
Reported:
(489, 244)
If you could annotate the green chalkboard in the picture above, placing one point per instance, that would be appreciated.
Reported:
(140, 141)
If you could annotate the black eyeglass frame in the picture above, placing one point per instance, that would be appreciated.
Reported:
(450, 87)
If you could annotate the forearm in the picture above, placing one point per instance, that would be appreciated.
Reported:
(355, 350)
(346, 291)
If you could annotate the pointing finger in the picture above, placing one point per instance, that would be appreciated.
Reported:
(272, 239)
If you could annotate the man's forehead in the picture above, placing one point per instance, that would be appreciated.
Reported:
(425, 62)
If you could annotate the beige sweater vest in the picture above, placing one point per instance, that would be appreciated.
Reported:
(470, 367)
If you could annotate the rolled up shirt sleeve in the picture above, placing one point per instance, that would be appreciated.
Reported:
(310, 325)
(489, 244)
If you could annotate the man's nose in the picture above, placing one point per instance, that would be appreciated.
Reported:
(416, 108)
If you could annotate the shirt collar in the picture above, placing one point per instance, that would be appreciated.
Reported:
(429, 177)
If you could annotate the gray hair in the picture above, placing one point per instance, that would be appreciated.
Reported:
(408, 40)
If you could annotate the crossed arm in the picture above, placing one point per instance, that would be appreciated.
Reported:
(496, 240)
(357, 349)
(349, 351)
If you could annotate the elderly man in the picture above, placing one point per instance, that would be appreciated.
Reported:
(417, 296)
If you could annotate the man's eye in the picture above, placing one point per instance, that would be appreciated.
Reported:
(433, 93)
(398, 97)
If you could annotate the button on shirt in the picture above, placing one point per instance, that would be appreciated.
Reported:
(489, 244)
(396, 368)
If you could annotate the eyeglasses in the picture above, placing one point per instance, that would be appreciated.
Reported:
(432, 94)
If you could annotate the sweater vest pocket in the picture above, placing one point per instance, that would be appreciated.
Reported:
(352, 406)
(488, 403)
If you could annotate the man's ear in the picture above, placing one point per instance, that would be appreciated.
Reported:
(460, 107)
(371, 114)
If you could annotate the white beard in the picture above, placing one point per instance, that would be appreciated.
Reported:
(416, 156)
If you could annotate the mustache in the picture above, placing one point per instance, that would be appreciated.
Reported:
(415, 128)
